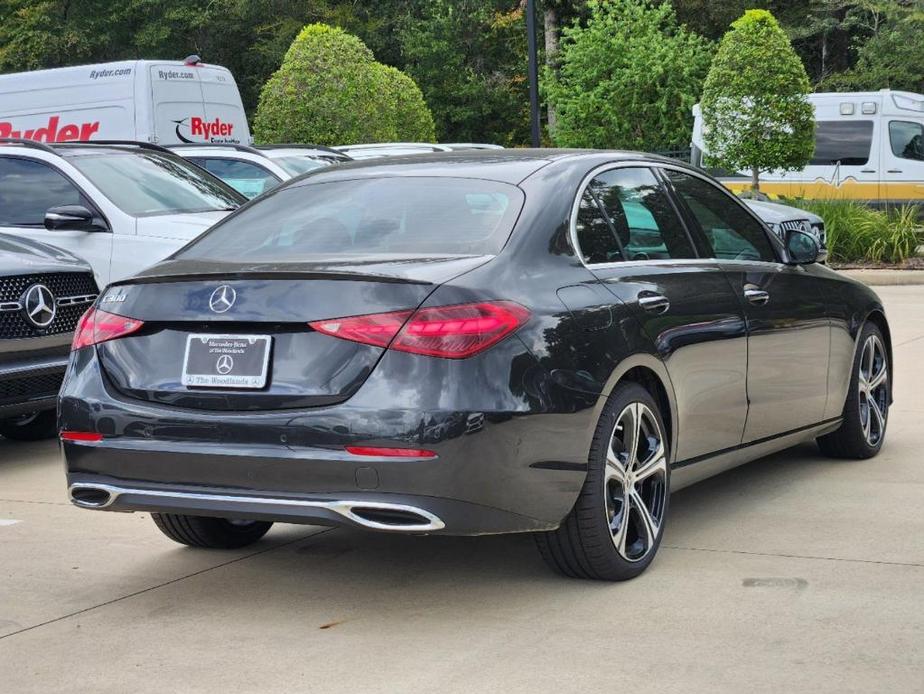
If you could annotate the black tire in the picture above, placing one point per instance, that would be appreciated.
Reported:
(585, 545)
(851, 439)
(33, 427)
(213, 533)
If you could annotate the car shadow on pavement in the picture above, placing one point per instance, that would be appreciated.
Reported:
(357, 567)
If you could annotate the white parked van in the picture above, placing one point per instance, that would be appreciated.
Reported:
(869, 146)
(158, 101)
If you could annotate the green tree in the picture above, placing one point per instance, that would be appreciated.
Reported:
(627, 79)
(469, 58)
(756, 116)
(330, 90)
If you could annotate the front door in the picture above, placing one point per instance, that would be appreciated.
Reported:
(631, 238)
(28, 188)
(788, 328)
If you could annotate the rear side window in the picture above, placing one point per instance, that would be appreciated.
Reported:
(372, 216)
(29, 188)
(594, 234)
(640, 216)
(732, 233)
(245, 177)
(907, 139)
(844, 142)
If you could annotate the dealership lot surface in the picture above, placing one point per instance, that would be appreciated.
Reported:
(793, 573)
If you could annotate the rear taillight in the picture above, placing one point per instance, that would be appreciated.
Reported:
(97, 326)
(383, 452)
(81, 436)
(452, 332)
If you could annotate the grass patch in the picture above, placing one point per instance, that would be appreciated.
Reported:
(857, 233)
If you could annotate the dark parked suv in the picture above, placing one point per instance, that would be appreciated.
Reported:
(43, 293)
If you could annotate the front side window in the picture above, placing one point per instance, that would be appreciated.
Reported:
(247, 178)
(842, 142)
(640, 215)
(29, 188)
(731, 232)
(907, 139)
(146, 183)
(399, 216)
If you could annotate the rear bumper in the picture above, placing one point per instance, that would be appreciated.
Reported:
(496, 471)
(370, 511)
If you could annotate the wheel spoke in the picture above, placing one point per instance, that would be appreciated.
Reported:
(880, 377)
(869, 355)
(874, 414)
(614, 467)
(619, 532)
(656, 463)
(631, 435)
(649, 526)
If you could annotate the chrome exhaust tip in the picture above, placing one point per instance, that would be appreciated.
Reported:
(90, 496)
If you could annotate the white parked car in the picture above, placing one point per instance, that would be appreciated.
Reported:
(246, 169)
(253, 171)
(119, 206)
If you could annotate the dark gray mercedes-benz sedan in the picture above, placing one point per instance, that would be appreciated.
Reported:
(536, 341)
(43, 292)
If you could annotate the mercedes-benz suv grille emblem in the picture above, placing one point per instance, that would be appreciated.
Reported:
(39, 306)
(222, 298)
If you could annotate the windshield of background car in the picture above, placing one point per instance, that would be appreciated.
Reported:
(298, 164)
(150, 183)
(370, 216)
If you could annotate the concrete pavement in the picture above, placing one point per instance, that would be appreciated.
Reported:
(795, 573)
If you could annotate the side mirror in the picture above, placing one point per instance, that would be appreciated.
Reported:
(72, 218)
(803, 248)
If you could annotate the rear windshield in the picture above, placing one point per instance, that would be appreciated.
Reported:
(150, 183)
(403, 215)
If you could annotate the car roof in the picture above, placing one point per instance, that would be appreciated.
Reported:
(504, 165)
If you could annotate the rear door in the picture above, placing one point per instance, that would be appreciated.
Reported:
(788, 327)
(632, 239)
(224, 112)
(179, 112)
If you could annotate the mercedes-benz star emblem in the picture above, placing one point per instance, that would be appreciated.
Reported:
(39, 305)
(225, 364)
(222, 298)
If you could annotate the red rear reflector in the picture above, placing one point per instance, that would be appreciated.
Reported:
(377, 451)
(97, 326)
(90, 436)
(453, 332)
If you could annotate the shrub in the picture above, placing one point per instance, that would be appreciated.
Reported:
(627, 79)
(413, 120)
(857, 233)
(756, 115)
(329, 90)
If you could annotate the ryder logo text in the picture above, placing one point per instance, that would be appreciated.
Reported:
(52, 131)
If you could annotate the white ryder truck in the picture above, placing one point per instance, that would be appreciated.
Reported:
(158, 101)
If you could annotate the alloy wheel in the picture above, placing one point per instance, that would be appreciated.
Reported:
(636, 482)
(873, 383)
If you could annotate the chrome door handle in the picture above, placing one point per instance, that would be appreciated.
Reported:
(757, 296)
(654, 303)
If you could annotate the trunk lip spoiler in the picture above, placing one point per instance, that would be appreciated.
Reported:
(242, 275)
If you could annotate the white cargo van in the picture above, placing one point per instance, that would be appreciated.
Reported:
(869, 146)
(159, 101)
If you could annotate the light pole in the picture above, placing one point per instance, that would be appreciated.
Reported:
(533, 71)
